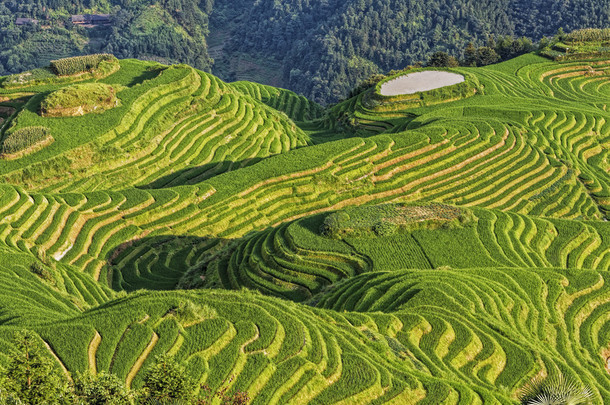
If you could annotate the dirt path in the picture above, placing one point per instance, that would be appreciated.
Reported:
(95, 343)
(138, 364)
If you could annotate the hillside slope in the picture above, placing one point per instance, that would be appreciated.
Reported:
(438, 248)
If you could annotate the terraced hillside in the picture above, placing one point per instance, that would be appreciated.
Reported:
(442, 248)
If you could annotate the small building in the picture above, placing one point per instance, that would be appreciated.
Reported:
(91, 19)
(78, 19)
(26, 21)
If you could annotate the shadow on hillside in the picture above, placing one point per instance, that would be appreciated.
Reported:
(158, 262)
(146, 75)
(197, 174)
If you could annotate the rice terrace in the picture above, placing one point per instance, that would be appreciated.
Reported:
(445, 244)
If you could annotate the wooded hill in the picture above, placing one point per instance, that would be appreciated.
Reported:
(319, 48)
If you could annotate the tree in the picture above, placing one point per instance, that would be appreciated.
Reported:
(470, 55)
(442, 59)
(101, 389)
(486, 56)
(560, 35)
(167, 380)
(31, 375)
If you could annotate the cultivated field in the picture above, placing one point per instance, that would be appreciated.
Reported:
(443, 247)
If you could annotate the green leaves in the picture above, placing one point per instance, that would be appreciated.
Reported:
(101, 389)
(167, 380)
(555, 390)
(31, 375)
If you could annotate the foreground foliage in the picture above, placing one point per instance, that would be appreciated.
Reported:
(555, 390)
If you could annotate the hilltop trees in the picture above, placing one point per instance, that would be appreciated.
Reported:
(170, 30)
(442, 59)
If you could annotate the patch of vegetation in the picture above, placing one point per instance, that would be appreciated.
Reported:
(79, 99)
(555, 390)
(78, 68)
(388, 219)
(34, 76)
(580, 44)
(80, 64)
(24, 138)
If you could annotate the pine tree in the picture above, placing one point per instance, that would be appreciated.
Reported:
(470, 55)
(31, 375)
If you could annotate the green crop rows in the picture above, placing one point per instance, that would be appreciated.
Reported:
(441, 251)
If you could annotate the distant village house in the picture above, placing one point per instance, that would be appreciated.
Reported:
(91, 19)
(25, 21)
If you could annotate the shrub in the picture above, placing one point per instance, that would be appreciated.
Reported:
(41, 271)
(385, 228)
(166, 380)
(557, 390)
(79, 64)
(187, 311)
(24, 138)
(101, 389)
(588, 35)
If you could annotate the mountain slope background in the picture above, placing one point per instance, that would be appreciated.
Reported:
(319, 48)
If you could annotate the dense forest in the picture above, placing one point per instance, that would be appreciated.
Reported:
(325, 47)
(165, 30)
(328, 46)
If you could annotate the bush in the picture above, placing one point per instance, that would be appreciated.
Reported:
(24, 138)
(187, 311)
(166, 380)
(102, 389)
(556, 390)
(79, 64)
(385, 228)
(41, 271)
(588, 35)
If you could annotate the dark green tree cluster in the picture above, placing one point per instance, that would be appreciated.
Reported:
(494, 51)
(32, 377)
(167, 30)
